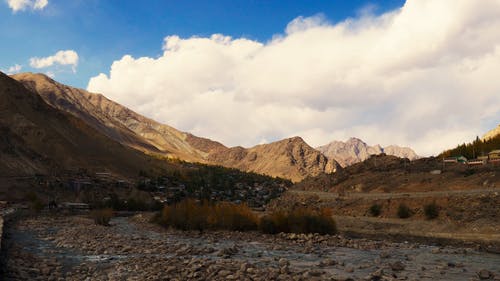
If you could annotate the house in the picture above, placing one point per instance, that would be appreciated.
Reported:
(485, 157)
(494, 154)
(473, 162)
(455, 159)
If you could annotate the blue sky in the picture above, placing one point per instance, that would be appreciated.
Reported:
(101, 31)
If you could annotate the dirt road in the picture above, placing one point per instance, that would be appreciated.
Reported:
(375, 196)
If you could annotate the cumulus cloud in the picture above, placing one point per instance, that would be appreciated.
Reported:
(67, 57)
(424, 75)
(21, 5)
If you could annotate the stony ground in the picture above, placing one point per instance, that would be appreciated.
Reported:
(73, 248)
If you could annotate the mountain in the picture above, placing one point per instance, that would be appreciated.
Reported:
(117, 121)
(355, 150)
(492, 133)
(289, 158)
(37, 138)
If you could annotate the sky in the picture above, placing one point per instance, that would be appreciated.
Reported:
(418, 73)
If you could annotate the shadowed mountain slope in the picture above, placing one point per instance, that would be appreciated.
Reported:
(37, 138)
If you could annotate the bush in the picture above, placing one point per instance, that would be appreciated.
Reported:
(232, 217)
(102, 216)
(431, 211)
(300, 220)
(191, 215)
(404, 211)
(375, 210)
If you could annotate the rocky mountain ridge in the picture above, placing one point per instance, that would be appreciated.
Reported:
(289, 158)
(355, 150)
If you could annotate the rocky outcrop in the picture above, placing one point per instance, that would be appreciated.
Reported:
(290, 158)
(355, 150)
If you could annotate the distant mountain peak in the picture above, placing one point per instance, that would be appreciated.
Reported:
(355, 150)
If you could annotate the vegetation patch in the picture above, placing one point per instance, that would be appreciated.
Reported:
(431, 210)
(404, 211)
(102, 216)
(300, 220)
(375, 210)
(192, 215)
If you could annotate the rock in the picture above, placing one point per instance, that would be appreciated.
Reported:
(385, 255)
(244, 267)
(397, 266)
(283, 262)
(436, 251)
(312, 273)
(224, 273)
(327, 262)
(377, 274)
(484, 274)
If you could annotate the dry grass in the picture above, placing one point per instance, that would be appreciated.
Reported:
(102, 216)
(192, 215)
(300, 220)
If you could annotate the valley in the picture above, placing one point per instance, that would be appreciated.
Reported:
(68, 155)
(250, 140)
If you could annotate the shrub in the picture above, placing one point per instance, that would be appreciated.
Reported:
(300, 220)
(431, 211)
(404, 211)
(191, 215)
(102, 216)
(274, 223)
(232, 217)
(375, 210)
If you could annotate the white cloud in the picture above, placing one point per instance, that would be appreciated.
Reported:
(424, 76)
(68, 57)
(21, 5)
(14, 69)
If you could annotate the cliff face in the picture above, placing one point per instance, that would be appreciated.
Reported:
(290, 158)
(355, 150)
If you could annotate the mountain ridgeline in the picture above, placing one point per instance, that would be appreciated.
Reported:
(355, 150)
(290, 158)
(39, 139)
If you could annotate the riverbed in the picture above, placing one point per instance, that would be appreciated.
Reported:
(74, 248)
